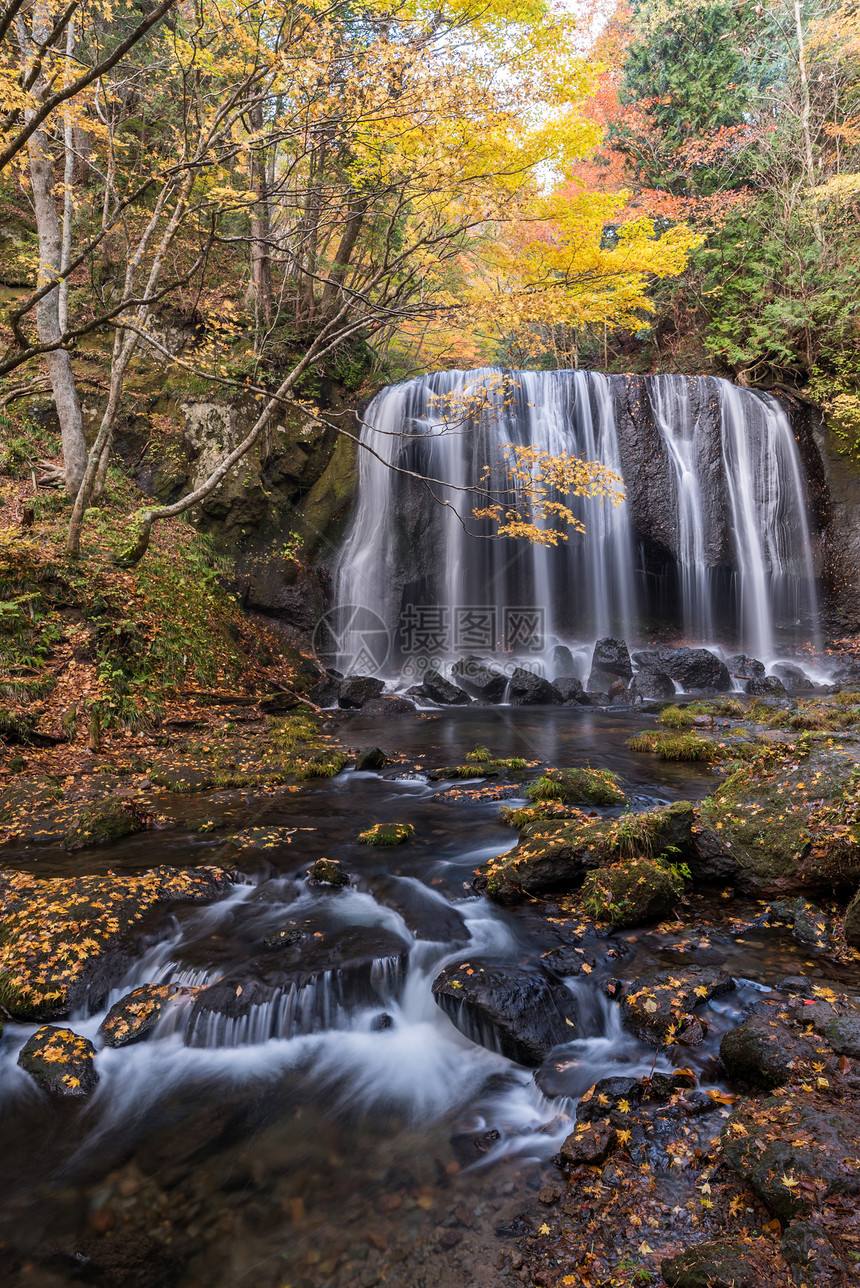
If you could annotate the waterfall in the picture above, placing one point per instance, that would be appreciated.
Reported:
(717, 510)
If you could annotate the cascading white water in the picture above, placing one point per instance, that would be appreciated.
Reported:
(722, 471)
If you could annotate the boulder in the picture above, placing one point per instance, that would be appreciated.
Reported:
(530, 690)
(387, 706)
(651, 682)
(436, 688)
(328, 872)
(589, 1143)
(745, 668)
(617, 690)
(325, 694)
(794, 680)
(480, 679)
(811, 926)
(793, 1137)
(720, 1263)
(60, 1061)
(371, 759)
(852, 922)
(561, 662)
(807, 1248)
(609, 1098)
(599, 683)
(660, 1004)
(522, 1014)
(632, 893)
(106, 821)
(356, 690)
(843, 1035)
(569, 689)
(765, 686)
(613, 657)
(693, 668)
(136, 1014)
(763, 1052)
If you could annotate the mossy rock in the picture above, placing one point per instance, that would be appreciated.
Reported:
(326, 763)
(262, 838)
(577, 786)
(557, 855)
(371, 760)
(764, 1053)
(60, 1061)
(632, 893)
(387, 834)
(532, 816)
(101, 823)
(328, 872)
(720, 1263)
(184, 779)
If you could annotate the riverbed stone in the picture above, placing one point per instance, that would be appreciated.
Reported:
(612, 657)
(356, 690)
(794, 680)
(569, 689)
(719, 1263)
(744, 667)
(798, 1139)
(106, 821)
(60, 1061)
(371, 759)
(851, 925)
(807, 1248)
(660, 1004)
(764, 1053)
(389, 704)
(609, 1098)
(522, 1014)
(652, 682)
(810, 925)
(765, 686)
(136, 1014)
(530, 690)
(328, 872)
(693, 668)
(481, 680)
(843, 1034)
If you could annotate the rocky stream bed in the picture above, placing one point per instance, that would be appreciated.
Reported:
(486, 996)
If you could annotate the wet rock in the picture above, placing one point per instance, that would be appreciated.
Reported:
(589, 1143)
(765, 686)
(390, 705)
(613, 657)
(384, 834)
(103, 822)
(807, 1248)
(427, 915)
(744, 667)
(325, 694)
(811, 926)
(661, 1003)
(356, 690)
(651, 682)
(127, 1259)
(599, 684)
(136, 1015)
(480, 679)
(519, 1013)
(851, 924)
(437, 689)
(617, 689)
(793, 679)
(569, 689)
(371, 759)
(632, 893)
(693, 668)
(792, 1138)
(718, 1264)
(530, 690)
(60, 1061)
(381, 1022)
(609, 1098)
(328, 872)
(561, 662)
(843, 1034)
(183, 779)
(764, 1053)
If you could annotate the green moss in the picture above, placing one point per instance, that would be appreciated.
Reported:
(568, 786)
(107, 821)
(630, 894)
(387, 834)
(527, 816)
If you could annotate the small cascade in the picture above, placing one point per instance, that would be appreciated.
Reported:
(715, 538)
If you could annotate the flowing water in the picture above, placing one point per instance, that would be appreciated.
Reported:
(715, 536)
(332, 1127)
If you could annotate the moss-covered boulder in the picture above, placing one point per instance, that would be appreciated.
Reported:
(764, 1053)
(328, 872)
(106, 821)
(371, 759)
(794, 1150)
(387, 834)
(632, 893)
(57, 933)
(577, 787)
(557, 856)
(852, 922)
(60, 1061)
(137, 1014)
(719, 1263)
(661, 1005)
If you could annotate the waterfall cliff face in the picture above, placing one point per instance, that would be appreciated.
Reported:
(714, 538)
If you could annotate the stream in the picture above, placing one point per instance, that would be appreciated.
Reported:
(336, 1130)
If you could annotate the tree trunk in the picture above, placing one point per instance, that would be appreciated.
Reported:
(261, 265)
(57, 361)
(349, 237)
